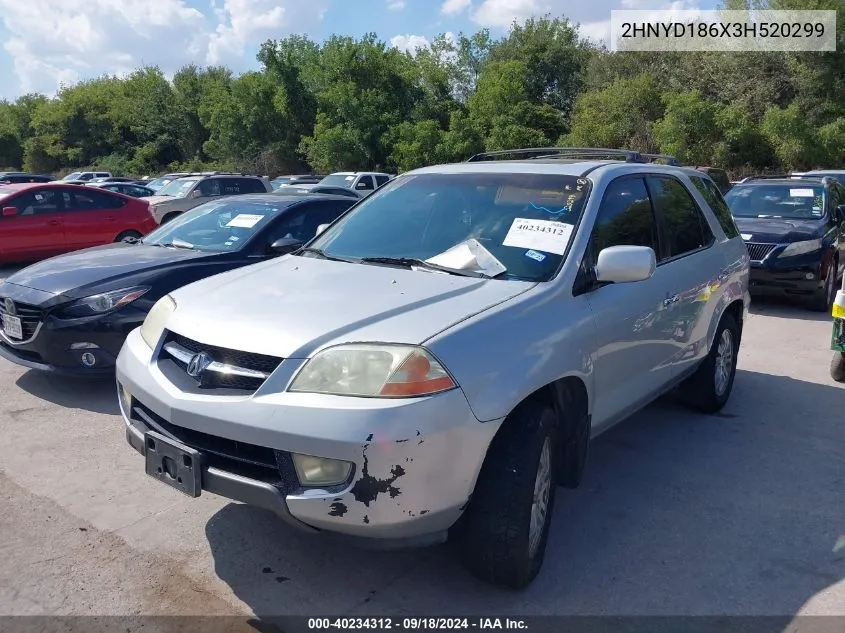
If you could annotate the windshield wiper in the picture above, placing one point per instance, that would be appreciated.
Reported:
(177, 243)
(409, 262)
(323, 255)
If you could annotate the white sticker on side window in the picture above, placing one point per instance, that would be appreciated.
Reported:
(802, 193)
(245, 220)
(541, 235)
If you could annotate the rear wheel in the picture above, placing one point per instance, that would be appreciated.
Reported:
(823, 301)
(503, 534)
(837, 366)
(126, 234)
(709, 388)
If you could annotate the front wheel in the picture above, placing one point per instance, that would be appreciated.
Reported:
(504, 531)
(823, 301)
(133, 234)
(169, 217)
(709, 388)
(837, 366)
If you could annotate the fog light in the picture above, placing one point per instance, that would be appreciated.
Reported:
(88, 359)
(315, 471)
(125, 398)
(809, 276)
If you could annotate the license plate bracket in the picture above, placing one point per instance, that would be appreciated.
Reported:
(12, 327)
(173, 463)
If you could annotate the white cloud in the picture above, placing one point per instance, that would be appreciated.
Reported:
(453, 7)
(409, 43)
(395, 5)
(60, 41)
(594, 16)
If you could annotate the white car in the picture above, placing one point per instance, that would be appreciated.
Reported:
(363, 182)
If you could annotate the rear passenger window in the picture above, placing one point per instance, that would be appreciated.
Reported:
(380, 180)
(711, 193)
(252, 185)
(684, 225)
(626, 217)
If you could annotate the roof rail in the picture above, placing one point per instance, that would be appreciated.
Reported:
(214, 173)
(628, 156)
(778, 177)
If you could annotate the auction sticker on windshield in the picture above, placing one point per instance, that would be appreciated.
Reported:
(801, 193)
(542, 235)
(245, 220)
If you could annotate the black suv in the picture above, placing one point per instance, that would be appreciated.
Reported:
(794, 229)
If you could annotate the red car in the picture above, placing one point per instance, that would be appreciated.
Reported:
(39, 220)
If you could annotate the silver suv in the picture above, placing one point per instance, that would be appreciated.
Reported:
(435, 362)
(189, 191)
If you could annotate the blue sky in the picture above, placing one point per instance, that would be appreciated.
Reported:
(47, 43)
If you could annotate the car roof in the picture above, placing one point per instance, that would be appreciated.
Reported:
(795, 181)
(556, 166)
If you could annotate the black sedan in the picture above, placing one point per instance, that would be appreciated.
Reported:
(126, 188)
(70, 314)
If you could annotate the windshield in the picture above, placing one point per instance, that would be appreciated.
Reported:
(157, 183)
(338, 180)
(797, 200)
(524, 221)
(178, 188)
(73, 176)
(222, 225)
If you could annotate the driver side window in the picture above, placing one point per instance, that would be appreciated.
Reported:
(626, 217)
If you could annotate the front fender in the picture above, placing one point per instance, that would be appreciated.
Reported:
(502, 356)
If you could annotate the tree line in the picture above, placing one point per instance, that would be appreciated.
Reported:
(358, 103)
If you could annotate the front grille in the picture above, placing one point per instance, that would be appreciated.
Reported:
(758, 251)
(216, 380)
(247, 460)
(30, 317)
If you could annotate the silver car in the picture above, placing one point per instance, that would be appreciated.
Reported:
(435, 362)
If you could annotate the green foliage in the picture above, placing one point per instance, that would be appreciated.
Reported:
(349, 103)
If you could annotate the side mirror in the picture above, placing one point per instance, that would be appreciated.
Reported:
(624, 264)
(196, 193)
(321, 228)
(285, 245)
(10, 211)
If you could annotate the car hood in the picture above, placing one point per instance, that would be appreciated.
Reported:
(294, 305)
(161, 199)
(773, 231)
(74, 274)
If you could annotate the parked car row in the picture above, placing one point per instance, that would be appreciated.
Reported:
(427, 362)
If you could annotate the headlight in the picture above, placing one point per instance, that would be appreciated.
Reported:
(104, 302)
(800, 248)
(373, 370)
(153, 325)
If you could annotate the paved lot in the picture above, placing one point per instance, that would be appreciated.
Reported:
(679, 514)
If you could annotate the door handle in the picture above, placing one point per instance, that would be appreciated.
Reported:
(670, 300)
(110, 218)
(53, 223)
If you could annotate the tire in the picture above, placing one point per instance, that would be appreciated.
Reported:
(168, 217)
(837, 366)
(708, 390)
(823, 301)
(126, 234)
(495, 536)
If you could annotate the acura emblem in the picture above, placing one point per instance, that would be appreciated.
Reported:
(198, 364)
(10, 307)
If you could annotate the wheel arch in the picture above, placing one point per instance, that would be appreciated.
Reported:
(569, 399)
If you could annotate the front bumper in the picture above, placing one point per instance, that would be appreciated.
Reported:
(415, 460)
(795, 276)
(58, 345)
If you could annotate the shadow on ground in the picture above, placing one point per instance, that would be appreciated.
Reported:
(786, 309)
(91, 393)
(679, 514)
